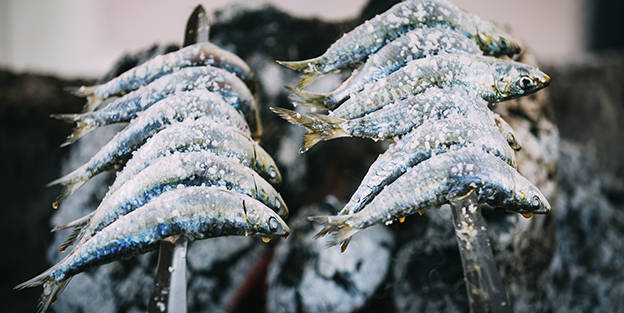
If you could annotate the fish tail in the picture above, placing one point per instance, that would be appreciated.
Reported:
(86, 91)
(78, 223)
(51, 288)
(71, 239)
(305, 66)
(309, 99)
(320, 127)
(337, 229)
(84, 124)
(307, 79)
(71, 183)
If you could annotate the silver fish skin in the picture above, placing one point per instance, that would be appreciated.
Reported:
(494, 80)
(200, 54)
(193, 212)
(392, 121)
(367, 38)
(415, 44)
(213, 79)
(433, 138)
(178, 107)
(437, 181)
(177, 171)
(199, 135)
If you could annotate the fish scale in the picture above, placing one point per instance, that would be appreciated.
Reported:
(435, 182)
(204, 53)
(198, 135)
(373, 34)
(492, 79)
(174, 108)
(428, 141)
(175, 171)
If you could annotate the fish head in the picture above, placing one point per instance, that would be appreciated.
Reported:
(527, 199)
(263, 221)
(265, 161)
(497, 43)
(514, 79)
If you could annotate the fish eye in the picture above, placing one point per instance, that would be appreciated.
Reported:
(273, 224)
(503, 44)
(535, 202)
(526, 83)
(272, 171)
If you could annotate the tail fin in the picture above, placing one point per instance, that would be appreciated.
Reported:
(307, 79)
(305, 66)
(336, 228)
(320, 127)
(79, 222)
(86, 91)
(71, 239)
(71, 182)
(51, 288)
(84, 124)
(309, 99)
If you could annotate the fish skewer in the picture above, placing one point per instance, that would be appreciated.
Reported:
(437, 181)
(186, 105)
(492, 79)
(200, 54)
(217, 80)
(193, 212)
(199, 135)
(367, 38)
(392, 121)
(170, 172)
(429, 141)
(416, 44)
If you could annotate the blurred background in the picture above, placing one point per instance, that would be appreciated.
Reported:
(83, 38)
(569, 261)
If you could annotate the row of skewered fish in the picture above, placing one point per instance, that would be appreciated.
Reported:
(190, 165)
(426, 80)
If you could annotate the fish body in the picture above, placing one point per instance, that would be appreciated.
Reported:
(392, 121)
(494, 80)
(183, 169)
(200, 54)
(193, 212)
(367, 38)
(175, 108)
(227, 85)
(437, 181)
(202, 134)
(415, 44)
(433, 138)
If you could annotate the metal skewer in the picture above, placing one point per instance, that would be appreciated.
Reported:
(486, 292)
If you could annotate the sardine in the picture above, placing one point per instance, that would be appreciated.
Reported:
(217, 80)
(178, 107)
(367, 38)
(177, 170)
(416, 44)
(199, 135)
(492, 79)
(193, 212)
(435, 182)
(200, 54)
(427, 141)
(392, 121)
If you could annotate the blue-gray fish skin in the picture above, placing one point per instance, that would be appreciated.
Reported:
(437, 181)
(433, 138)
(177, 171)
(494, 80)
(175, 108)
(392, 121)
(213, 79)
(415, 44)
(203, 134)
(193, 212)
(200, 54)
(367, 38)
